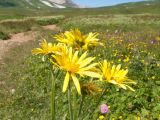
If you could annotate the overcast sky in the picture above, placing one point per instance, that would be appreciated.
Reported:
(98, 3)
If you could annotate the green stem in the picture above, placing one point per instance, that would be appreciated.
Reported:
(99, 100)
(74, 104)
(53, 97)
(80, 108)
(69, 102)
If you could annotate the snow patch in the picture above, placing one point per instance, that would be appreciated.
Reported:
(58, 1)
(28, 1)
(47, 3)
(59, 6)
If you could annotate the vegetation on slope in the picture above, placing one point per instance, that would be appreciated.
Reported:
(135, 45)
(12, 26)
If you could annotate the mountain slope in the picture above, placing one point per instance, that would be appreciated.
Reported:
(38, 3)
(150, 6)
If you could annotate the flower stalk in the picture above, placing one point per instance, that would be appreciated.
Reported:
(80, 107)
(97, 103)
(70, 101)
(68, 56)
(53, 97)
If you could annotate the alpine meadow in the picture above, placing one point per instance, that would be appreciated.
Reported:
(63, 61)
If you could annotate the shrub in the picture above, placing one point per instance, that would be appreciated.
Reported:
(4, 36)
(49, 20)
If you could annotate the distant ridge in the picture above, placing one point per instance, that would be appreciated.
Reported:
(38, 3)
(148, 6)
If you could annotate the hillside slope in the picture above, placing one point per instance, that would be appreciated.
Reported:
(37, 3)
(150, 6)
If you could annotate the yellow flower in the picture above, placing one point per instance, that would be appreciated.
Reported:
(158, 38)
(66, 38)
(138, 118)
(49, 48)
(46, 48)
(76, 39)
(120, 117)
(126, 59)
(153, 77)
(91, 40)
(70, 38)
(101, 117)
(72, 64)
(114, 75)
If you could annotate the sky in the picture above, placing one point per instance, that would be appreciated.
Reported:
(99, 3)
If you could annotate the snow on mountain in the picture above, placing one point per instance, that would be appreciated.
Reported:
(59, 6)
(47, 3)
(38, 3)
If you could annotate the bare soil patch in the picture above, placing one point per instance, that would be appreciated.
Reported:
(51, 27)
(21, 38)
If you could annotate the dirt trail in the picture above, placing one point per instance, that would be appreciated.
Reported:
(50, 27)
(20, 38)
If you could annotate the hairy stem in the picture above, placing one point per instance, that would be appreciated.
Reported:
(53, 97)
(70, 102)
(80, 107)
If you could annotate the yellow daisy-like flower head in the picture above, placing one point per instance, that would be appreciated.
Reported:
(49, 48)
(77, 40)
(46, 48)
(91, 40)
(70, 38)
(72, 64)
(115, 75)
(66, 38)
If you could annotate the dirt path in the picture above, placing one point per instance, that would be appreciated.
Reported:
(50, 27)
(20, 38)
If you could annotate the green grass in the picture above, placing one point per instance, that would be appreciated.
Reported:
(4, 36)
(133, 37)
(12, 26)
(113, 22)
(13, 77)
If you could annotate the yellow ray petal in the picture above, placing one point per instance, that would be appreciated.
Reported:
(122, 86)
(89, 73)
(76, 83)
(130, 88)
(70, 53)
(66, 81)
(75, 56)
(89, 67)
(86, 61)
(37, 51)
(83, 56)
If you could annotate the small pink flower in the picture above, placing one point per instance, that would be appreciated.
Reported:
(104, 109)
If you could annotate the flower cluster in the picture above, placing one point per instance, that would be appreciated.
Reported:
(66, 58)
(71, 55)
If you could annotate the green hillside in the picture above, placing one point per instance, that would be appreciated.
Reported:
(20, 9)
(151, 6)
